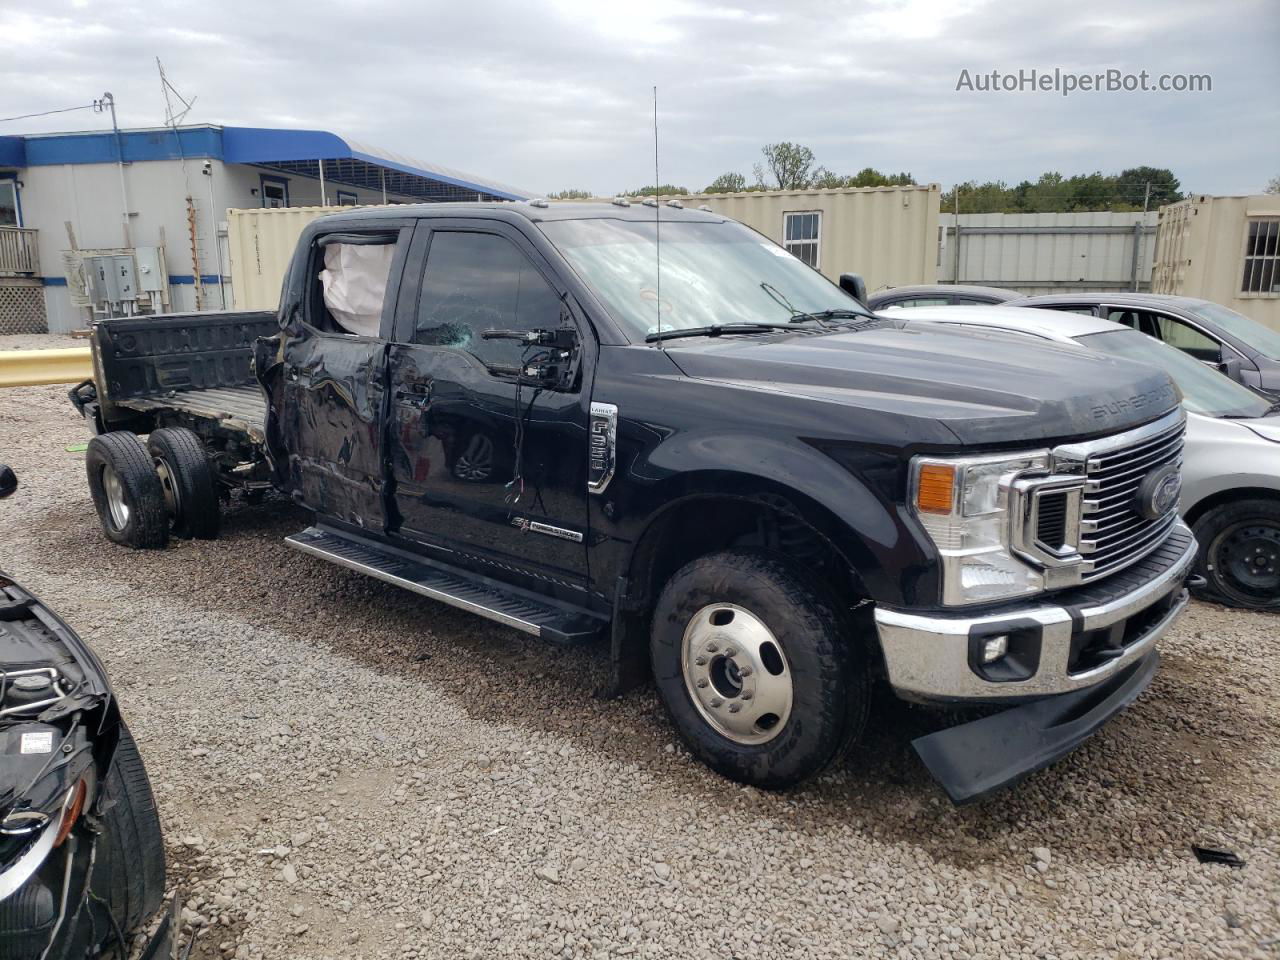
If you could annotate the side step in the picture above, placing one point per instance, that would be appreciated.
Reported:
(539, 616)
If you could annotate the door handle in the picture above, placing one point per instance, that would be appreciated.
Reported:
(415, 392)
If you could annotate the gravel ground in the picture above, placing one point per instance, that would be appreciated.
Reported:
(347, 770)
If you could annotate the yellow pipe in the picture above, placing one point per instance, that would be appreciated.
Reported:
(30, 368)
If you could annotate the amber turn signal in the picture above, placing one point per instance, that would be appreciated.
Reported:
(71, 813)
(935, 487)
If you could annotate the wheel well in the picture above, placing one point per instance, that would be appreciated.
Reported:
(1229, 496)
(706, 524)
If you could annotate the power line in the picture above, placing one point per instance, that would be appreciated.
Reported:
(46, 113)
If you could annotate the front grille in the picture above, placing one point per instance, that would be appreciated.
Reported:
(1113, 531)
(1051, 520)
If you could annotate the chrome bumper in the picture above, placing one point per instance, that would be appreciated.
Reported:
(931, 656)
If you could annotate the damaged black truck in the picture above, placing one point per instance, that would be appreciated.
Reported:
(653, 426)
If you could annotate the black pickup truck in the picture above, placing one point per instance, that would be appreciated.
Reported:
(652, 425)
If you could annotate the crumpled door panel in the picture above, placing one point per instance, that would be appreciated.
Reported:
(324, 423)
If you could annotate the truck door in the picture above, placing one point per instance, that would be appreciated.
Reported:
(482, 464)
(332, 382)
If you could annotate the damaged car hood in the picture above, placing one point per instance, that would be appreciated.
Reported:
(984, 390)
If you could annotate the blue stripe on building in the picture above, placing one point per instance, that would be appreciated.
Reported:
(177, 279)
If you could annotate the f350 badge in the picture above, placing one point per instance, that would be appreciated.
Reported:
(602, 439)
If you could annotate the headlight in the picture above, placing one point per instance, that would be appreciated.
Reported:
(962, 503)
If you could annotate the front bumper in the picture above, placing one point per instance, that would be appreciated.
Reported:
(973, 760)
(1087, 637)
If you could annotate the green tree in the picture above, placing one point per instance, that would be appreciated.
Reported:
(727, 183)
(824, 179)
(994, 196)
(871, 177)
(790, 165)
(1054, 193)
(1131, 186)
(1091, 192)
(571, 195)
(662, 190)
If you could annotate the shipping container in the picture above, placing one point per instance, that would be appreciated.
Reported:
(1224, 249)
(887, 234)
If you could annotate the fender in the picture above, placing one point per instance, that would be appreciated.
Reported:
(849, 503)
(1241, 486)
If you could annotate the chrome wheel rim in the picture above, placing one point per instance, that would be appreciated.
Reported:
(117, 506)
(171, 502)
(736, 673)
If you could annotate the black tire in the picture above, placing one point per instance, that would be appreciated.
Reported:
(121, 455)
(1240, 554)
(829, 677)
(129, 870)
(187, 478)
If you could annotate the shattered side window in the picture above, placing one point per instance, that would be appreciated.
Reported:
(475, 282)
(354, 280)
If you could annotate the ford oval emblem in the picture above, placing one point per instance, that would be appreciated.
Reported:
(1159, 490)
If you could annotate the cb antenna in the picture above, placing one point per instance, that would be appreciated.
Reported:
(657, 220)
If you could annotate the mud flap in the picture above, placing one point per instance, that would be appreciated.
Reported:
(973, 760)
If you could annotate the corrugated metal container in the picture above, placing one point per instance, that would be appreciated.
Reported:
(887, 234)
(262, 243)
(1223, 249)
(1048, 252)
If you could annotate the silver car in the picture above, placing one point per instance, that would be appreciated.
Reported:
(1231, 471)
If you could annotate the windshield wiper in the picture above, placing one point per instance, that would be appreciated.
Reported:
(713, 330)
(838, 314)
(802, 316)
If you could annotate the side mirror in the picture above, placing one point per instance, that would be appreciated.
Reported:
(8, 481)
(1231, 367)
(855, 286)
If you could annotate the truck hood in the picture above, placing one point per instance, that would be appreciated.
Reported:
(985, 390)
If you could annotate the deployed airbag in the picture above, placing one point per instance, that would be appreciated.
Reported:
(355, 283)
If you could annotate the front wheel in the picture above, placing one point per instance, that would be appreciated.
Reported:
(755, 668)
(1240, 553)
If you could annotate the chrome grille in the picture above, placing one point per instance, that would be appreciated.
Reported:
(1051, 520)
(1113, 531)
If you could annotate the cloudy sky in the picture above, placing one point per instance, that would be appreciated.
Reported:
(551, 94)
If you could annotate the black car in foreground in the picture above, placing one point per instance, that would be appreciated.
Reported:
(1244, 349)
(82, 869)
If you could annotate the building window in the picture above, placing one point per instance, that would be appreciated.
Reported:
(347, 199)
(802, 236)
(9, 204)
(1262, 257)
(275, 191)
